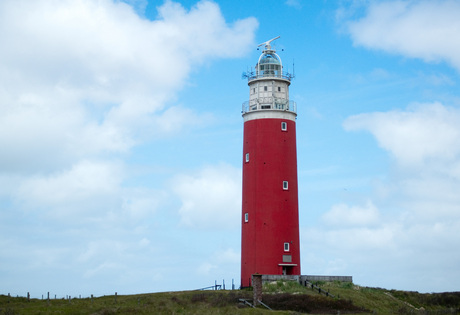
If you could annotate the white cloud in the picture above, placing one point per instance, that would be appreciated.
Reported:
(419, 29)
(228, 255)
(210, 198)
(411, 226)
(141, 203)
(221, 262)
(167, 122)
(81, 79)
(294, 3)
(345, 216)
(81, 84)
(424, 132)
(425, 144)
(81, 181)
(88, 189)
(206, 268)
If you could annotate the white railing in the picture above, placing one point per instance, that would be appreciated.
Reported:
(285, 75)
(276, 104)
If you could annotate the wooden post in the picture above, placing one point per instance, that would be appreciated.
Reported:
(257, 288)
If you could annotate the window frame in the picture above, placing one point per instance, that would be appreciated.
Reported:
(285, 185)
(246, 157)
(286, 247)
(283, 126)
(246, 217)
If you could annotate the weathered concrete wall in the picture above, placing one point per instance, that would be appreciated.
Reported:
(270, 278)
(303, 278)
(312, 278)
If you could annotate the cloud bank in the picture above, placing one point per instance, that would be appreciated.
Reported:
(427, 30)
(83, 83)
(406, 226)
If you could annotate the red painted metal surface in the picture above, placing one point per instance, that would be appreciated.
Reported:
(272, 212)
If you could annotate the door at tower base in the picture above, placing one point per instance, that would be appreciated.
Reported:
(270, 224)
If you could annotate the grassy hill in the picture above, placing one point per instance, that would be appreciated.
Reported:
(282, 297)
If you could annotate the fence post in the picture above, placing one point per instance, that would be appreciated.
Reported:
(91, 299)
(9, 298)
(28, 297)
(69, 299)
(115, 297)
(223, 284)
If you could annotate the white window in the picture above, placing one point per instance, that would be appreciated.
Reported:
(286, 247)
(247, 157)
(283, 126)
(285, 185)
(246, 217)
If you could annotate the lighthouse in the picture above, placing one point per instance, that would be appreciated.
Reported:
(270, 215)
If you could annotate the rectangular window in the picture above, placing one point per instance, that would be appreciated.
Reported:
(285, 185)
(279, 88)
(283, 126)
(246, 217)
(265, 88)
(286, 247)
(247, 157)
(287, 258)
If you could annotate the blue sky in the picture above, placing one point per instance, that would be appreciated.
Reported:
(121, 141)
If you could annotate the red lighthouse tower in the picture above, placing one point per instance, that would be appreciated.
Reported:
(270, 216)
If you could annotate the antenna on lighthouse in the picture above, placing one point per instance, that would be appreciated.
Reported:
(267, 43)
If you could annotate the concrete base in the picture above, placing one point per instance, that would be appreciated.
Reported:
(302, 278)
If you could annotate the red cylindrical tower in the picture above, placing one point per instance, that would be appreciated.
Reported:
(270, 216)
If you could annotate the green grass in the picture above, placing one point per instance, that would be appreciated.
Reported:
(186, 302)
(382, 301)
(284, 297)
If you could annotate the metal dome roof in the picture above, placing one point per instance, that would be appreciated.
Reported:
(269, 58)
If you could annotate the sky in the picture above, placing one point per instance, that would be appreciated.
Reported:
(121, 141)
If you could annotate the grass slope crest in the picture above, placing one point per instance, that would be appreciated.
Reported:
(283, 297)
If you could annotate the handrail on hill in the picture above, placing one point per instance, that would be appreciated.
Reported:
(320, 291)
